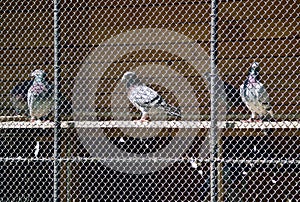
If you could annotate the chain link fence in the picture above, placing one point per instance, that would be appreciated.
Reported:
(169, 100)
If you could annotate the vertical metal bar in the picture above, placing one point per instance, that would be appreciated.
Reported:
(214, 121)
(57, 127)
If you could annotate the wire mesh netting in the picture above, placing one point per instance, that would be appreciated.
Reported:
(170, 100)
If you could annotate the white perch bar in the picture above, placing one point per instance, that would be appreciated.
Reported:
(153, 124)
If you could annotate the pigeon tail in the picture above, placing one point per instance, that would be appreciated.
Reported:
(266, 118)
(173, 111)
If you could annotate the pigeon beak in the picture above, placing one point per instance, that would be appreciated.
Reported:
(128, 76)
(123, 79)
(255, 70)
(255, 66)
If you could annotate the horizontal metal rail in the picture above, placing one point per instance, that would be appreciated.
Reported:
(196, 160)
(153, 124)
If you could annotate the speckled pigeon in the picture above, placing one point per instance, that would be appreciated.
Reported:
(144, 98)
(254, 95)
(40, 96)
(18, 97)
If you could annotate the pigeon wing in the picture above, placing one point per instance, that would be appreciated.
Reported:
(243, 93)
(263, 95)
(143, 96)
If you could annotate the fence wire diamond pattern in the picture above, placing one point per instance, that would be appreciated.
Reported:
(169, 100)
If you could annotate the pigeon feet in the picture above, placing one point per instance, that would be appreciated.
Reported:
(142, 120)
(251, 120)
(34, 120)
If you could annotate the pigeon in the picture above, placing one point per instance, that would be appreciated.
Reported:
(254, 95)
(18, 97)
(145, 98)
(40, 96)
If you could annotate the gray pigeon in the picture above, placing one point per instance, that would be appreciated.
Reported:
(145, 98)
(40, 96)
(254, 95)
(18, 97)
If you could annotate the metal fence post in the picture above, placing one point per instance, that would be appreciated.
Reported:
(57, 128)
(214, 121)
